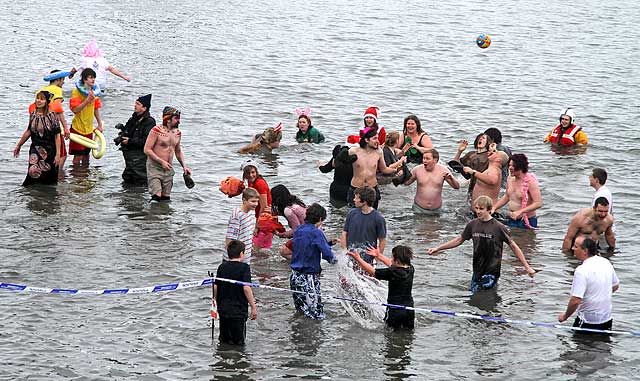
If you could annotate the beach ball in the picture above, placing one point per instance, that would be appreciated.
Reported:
(483, 41)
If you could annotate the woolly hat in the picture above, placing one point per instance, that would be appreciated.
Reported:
(373, 112)
(168, 112)
(145, 100)
(571, 114)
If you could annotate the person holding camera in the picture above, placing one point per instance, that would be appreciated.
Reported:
(131, 139)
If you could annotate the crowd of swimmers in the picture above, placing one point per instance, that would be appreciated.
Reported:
(495, 177)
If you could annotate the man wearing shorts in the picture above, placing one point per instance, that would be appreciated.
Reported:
(162, 144)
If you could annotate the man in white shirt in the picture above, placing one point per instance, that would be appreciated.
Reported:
(594, 283)
(597, 180)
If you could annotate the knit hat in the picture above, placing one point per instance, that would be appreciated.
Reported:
(168, 112)
(571, 114)
(373, 112)
(145, 100)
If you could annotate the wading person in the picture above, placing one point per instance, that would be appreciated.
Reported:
(162, 145)
(85, 106)
(242, 223)
(566, 133)
(364, 227)
(488, 236)
(309, 246)
(431, 177)
(132, 139)
(233, 300)
(591, 222)
(594, 282)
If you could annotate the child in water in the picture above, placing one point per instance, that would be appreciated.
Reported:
(399, 273)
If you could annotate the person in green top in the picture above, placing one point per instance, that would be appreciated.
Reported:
(306, 132)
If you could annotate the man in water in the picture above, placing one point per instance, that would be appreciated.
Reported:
(162, 144)
(597, 180)
(488, 237)
(594, 282)
(370, 160)
(487, 183)
(503, 150)
(364, 227)
(522, 194)
(132, 139)
(431, 177)
(591, 222)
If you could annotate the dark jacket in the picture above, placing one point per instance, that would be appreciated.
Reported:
(137, 130)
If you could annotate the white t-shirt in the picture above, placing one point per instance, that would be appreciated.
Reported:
(593, 282)
(99, 65)
(606, 193)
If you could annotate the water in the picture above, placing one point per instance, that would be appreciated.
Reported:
(235, 68)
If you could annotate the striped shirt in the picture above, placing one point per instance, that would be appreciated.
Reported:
(241, 227)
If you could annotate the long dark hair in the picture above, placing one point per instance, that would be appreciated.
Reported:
(282, 198)
(418, 124)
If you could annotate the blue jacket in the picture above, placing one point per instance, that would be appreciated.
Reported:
(309, 246)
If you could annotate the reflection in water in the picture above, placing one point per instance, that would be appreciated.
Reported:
(568, 151)
(397, 353)
(486, 300)
(585, 354)
(43, 199)
(306, 335)
(231, 363)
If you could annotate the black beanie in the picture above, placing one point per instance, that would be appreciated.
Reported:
(145, 100)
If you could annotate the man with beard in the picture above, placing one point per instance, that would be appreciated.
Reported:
(370, 160)
(591, 222)
(162, 144)
(488, 236)
(132, 139)
(431, 177)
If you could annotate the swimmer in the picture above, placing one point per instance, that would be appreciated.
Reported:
(419, 142)
(306, 132)
(591, 222)
(566, 133)
(431, 177)
(264, 142)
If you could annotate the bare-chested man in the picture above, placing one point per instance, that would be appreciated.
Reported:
(522, 195)
(431, 177)
(163, 142)
(487, 183)
(370, 160)
(591, 222)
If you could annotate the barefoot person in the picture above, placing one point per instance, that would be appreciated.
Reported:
(431, 177)
(522, 195)
(591, 222)
(369, 161)
(488, 237)
(161, 145)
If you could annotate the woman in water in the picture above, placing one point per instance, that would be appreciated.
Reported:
(44, 152)
(342, 162)
(257, 182)
(306, 132)
(416, 141)
(293, 209)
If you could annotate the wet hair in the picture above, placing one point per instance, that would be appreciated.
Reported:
(520, 162)
(475, 142)
(392, 139)
(494, 134)
(601, 201)
(590, 246)
(235, 248)
(434, 152)
(415, 119)
(250, 193)
(600, 174)
(336, 150)
(315, 213)
(282, 198)
(402, 254)
(483, 202)
(86, 73)
(366, 194)
(247, 169)
(307, 118)
(368, 135)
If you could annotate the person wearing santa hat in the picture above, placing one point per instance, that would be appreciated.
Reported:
(132, 138)
(370, 121)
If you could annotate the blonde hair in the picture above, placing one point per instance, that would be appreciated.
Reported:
(250, 193)
(392, 138)
(483, 202)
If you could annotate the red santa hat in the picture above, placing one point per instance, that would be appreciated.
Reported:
(373, 112)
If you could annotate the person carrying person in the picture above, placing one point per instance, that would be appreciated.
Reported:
(488, 237)
(522, 195)
(399, 273)
(232, 300)
(505, 152)
(566, 133)
(132, 138)
(594, 283)
(309, 246)
(163, 143)
(430, 177)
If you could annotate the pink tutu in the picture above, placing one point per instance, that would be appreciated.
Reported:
(263, 240)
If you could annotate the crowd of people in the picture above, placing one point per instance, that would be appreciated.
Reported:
(495, 178)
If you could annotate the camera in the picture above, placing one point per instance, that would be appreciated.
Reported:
(118, 139)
